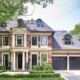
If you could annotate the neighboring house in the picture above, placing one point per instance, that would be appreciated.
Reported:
(24, 41)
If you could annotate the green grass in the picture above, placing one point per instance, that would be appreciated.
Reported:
(31, 79)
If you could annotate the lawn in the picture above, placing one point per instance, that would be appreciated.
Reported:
(31, 79)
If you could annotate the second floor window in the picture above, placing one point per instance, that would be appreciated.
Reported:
(67, 40)
(19, 40)
(5, 41)
(34, 41)
(43, 41)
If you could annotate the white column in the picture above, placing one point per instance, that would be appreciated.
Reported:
(14, 68)
(13, 38)
(67, 62)
(23, 61)
(24, 40)
(26, 56)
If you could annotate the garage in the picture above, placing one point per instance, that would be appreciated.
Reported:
(59, 63)
(74, 63)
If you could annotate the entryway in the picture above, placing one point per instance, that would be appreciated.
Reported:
(20, 61)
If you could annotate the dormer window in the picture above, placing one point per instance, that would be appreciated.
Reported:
(67, 39)
(20, 23)
(39, 22)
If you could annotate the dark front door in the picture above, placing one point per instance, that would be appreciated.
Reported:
(5, 60)
(34, 59)
(59, 63)
(74, 63)
(19, 60)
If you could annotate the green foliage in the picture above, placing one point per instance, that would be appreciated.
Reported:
(2, 68)
(8, 9)
(44, 59)
(42, 68)
(35, 71)
(76, 31)
(30, 75)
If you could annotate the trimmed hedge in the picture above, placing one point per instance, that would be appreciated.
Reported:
(41, 68)
(34, 71)
(30, 75)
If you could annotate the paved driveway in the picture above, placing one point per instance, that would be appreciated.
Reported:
(70, 75)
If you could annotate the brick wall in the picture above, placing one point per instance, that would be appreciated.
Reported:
(49, 58)
(28, 41)
(0, 41)
(50, 41)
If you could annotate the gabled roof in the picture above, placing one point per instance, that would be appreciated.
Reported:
(31, 26)
(59, 44)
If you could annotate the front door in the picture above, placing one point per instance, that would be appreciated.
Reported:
(5, 60)
(34, 59)
(20, 61)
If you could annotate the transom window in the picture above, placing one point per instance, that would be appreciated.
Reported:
(43, 40)
(19, 40)
(5, 41)
(34, 41)
(67, 40)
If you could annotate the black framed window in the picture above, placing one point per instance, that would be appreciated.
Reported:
(34, 41)
(67, 40)
(5, 41)
(43, 41)
(19, 40)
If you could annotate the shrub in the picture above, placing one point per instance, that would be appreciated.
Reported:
(41, 68)
(32, 71)
(2, 67)
(30, 75)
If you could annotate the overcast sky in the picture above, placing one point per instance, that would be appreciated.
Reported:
(61, 15)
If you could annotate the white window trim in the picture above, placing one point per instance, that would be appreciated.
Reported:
(16, 40)
(34, 46)
(47, 42)
(3, 54)
(2, 41)
(40, 56)
(31, 58)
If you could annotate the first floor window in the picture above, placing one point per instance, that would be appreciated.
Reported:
(5, 41)
(43, 41)
(34, 41)
(19, 40)
(5, 60)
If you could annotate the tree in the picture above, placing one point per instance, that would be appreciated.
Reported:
(76, 31)
(11, 8)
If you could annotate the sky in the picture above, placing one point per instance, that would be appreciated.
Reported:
(61, 15)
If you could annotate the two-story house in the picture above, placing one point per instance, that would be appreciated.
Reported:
(24, 41)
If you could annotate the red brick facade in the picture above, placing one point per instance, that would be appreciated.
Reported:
(50, 41)
(0, 41)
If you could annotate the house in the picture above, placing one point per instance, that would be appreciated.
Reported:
(24, 41)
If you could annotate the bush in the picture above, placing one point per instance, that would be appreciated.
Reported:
(30, 75)
(32, 71)
(41, 68)
(2, 67)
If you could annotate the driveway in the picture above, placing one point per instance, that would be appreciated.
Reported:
(70, 75)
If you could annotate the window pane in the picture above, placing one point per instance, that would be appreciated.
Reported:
(43, 41)
(5, 41)
(19, 40)
(34, 40)
(67, 40)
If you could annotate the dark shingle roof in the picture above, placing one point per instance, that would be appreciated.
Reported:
(59, 44)
(32, 27)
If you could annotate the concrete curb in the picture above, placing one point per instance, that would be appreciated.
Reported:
(64, 77)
